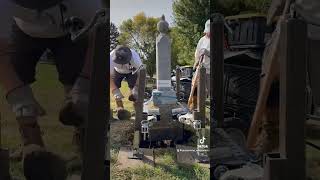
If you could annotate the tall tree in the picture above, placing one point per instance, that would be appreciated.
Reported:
(189, 17)
(114, 34)
(140, 33)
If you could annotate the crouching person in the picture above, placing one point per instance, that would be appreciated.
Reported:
(36, 26)
(125, 63)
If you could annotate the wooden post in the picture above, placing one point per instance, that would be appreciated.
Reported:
(178, 83)
(293, 97)
(216, 75)
(291, 161)
(202, 96)
(4, 159)
(139, 103)
(94, 165)
(217, 69)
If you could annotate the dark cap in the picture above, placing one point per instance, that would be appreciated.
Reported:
(37, 4)
(122, 55)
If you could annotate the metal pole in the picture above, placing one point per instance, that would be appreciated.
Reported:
(178, 83)
(94, 165)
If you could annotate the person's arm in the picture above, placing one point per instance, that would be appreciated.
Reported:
(197, 55)
(137, 63)
(112, 85)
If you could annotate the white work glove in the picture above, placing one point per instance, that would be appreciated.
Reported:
(75, 110)
(204, 52)
(23, 103)
(117, 94)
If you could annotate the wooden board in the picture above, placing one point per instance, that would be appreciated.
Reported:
(194, 85)
(270, 72)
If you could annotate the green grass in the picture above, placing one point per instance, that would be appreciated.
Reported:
(58, 138)
(166, 168)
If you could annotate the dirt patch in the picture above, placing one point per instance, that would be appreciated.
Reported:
(121, 133)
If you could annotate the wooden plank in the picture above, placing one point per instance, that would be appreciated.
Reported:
(138, 105)
(270, 71)
(293, 97)
(193, 88)
(136, 139)
(273, 164)
(98, 110)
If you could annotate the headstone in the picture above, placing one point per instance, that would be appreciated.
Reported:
(163, 57)
(164, 94)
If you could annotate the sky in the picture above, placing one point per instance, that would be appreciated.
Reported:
(121, 10)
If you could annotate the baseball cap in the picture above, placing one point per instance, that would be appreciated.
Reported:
(122, 55)
(37, 4)
(207, 26)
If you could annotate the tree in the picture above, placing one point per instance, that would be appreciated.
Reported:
(191, 15)
(114, 34)
(140, 33)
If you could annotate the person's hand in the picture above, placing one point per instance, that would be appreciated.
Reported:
(134, 94)
(117, 94)
(23, 103)
(75, 109)
(205, 52)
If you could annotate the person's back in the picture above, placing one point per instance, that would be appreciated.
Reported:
(46, 23)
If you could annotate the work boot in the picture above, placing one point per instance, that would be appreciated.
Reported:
(38, 164)
(122, 114)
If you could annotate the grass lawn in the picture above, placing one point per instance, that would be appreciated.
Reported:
(58, 138)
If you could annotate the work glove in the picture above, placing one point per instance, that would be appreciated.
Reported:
(23, 103)
(75, 110)
(117, 94)
(134, 94)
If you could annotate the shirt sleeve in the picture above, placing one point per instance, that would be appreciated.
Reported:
(111, 62)
(136, 60)
(197, 52)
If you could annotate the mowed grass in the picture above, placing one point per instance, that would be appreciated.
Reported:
(58, 138)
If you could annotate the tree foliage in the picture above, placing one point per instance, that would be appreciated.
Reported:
(140, 34)
(114, 34)
(191, 15)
